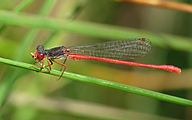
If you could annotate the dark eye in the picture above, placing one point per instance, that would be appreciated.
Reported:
(40, 49)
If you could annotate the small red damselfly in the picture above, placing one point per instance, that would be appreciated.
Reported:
(114, 52)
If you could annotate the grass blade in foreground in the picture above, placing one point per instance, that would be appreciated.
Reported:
(101, 82)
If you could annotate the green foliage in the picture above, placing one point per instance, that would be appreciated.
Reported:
(44, 20)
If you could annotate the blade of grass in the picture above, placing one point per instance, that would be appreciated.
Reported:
(18, 9)
(93, 29)
(22, 5)
(101, 82)
(6, 84)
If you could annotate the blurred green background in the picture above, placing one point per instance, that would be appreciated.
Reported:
(33, 95)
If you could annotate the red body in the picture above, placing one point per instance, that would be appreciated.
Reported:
(169, 68)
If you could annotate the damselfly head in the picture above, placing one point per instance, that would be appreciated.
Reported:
(40, 49)
(39, 55)
(34, 55)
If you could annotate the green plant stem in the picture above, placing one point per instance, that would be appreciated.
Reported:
(6, 84)
(22, 5)
(18, 9)
(100, 82)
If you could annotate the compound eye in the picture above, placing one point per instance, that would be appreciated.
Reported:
(40, 49)
(41, 56)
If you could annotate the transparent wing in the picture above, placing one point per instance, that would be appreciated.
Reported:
(120, 49)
